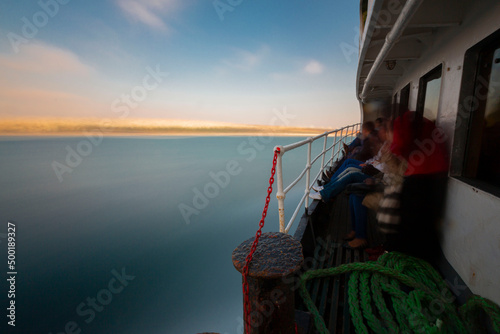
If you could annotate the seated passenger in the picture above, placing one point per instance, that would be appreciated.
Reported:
(355, 143)
(337, 185)
(378, 122)
(369, 147)
(370, 142)
(358, 214)
(393, 171)
(341, 179)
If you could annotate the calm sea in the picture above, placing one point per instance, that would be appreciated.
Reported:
(119, 240)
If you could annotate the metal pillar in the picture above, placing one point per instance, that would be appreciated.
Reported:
(272, 298)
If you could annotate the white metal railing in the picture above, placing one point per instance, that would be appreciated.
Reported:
(341, 135)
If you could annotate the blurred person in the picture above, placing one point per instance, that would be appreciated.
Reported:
(358, 214)
(370, 142)
(369, 146)
(338, 184)
(369, 167)
(421, 145)
(378, 123)
(391, 170)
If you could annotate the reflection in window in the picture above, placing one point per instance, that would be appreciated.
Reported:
(430, 89)
(432, 99)
(489, 159)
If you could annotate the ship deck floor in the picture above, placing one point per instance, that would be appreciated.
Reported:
(322, 243)
(329, 225)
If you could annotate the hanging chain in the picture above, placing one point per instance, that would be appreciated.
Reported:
(246, 300)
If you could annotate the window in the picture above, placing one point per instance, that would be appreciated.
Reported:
(488, 168)
(476, 149)
(404, 99)
(394, 106)
(364, 11)
(428, 94)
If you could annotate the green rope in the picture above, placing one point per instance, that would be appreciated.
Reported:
(421, 300)
(469, 312)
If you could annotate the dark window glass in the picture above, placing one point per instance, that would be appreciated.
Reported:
(394, 109)
(476, 146)
(404, 98)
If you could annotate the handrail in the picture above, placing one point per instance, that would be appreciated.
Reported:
(340, 136)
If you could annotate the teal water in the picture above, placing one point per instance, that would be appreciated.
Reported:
(108, 250)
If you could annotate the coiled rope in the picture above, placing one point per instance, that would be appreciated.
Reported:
(419, 299)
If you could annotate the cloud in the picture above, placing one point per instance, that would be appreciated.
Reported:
(22, 102)
(150, 12)
(46, 80)
(246, 60)
(44, 59)
(313, 67)
(301, 70)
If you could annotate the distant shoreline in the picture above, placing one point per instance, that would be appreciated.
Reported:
(160, 134)
(143, 127)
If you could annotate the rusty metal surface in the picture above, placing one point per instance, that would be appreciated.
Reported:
(277, 255)
(272, 308)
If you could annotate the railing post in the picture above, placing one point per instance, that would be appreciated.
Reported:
(324, 153)
(308, 172)
(333, 149)
(341, 140)
(280, 194)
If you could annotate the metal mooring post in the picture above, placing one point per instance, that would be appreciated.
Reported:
(277, 258)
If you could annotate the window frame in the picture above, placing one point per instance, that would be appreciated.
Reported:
(422, 89)
(465, 152)
(404, 99)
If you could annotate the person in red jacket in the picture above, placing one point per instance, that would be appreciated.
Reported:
(421, 144)
(418, 141)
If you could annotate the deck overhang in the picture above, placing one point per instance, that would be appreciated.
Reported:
(395, 35)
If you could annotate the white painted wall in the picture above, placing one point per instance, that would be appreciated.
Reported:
(472, 240)
(472, 220)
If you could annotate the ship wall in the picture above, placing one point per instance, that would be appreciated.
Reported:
(471, 227)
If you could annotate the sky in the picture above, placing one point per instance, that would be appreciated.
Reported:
(235, 61)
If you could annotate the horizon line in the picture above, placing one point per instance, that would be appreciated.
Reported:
(39, 126)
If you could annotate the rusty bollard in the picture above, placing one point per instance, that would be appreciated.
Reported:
(277, 258)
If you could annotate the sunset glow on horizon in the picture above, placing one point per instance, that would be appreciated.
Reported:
(82, 126)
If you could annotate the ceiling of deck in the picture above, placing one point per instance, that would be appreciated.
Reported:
(432, 18)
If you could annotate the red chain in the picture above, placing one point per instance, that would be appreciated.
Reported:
(246, 301)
